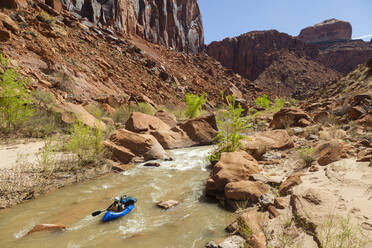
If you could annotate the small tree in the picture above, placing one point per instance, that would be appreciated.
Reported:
(230, 129)
(194, 104)
(15, 100)
(263, 102)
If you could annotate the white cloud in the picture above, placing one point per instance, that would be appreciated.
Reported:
(364, 37)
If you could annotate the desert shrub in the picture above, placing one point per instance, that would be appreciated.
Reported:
(278, 104)
(263, 102)
(230, 128)
(85, 142)
(46, 157)
(43, 98)
(307, 155)
(244, 230)
(15, 99)
(178, 111)
(194, 103)
(339, 232)
(123, 113)
(95, 110)
(45, 17)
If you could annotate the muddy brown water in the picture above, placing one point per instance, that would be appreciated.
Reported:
(192, 224)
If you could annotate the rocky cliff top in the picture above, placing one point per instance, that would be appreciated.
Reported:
(328, 30)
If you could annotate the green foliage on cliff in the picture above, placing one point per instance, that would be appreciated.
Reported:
(263, 102)
(194, 103)
(15, 99)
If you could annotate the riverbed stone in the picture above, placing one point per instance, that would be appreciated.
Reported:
(234, 241)
(168, 204)
(47, 227)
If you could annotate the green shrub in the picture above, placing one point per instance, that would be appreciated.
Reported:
(15, 100)
(278, 104)
(46, 157)
(230, 128)
(123, 113)
(307, 155)
(194, 103)
(95, 110)
(85, 142)
(263, 102)
(45, 17)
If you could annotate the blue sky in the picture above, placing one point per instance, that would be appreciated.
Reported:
(228, 18)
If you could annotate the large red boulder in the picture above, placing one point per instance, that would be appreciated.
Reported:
(232, 167)
(245, 191)
(133, 147)
(329, 151)
(141, 123)
(288, 117)
(202, 130)
(262, 142)
(329, 30)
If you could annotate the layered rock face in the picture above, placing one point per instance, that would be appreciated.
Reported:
(251, 53)
(173, 23)
(338, 51)
(329, 30)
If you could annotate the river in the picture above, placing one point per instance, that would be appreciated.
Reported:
(191, 224)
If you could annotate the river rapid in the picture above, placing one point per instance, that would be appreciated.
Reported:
(191, 224)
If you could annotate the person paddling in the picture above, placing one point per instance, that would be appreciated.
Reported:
(117, 206)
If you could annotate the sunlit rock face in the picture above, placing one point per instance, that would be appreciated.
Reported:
(329, 30)
(174, 23)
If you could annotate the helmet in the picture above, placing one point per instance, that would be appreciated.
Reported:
(117, 199)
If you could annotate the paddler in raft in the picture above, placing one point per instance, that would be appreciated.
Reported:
(117, 206)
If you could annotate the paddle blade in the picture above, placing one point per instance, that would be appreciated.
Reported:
(96, 213)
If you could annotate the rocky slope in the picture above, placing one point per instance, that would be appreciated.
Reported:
(89, 63)
(293, 76)
(175, 24)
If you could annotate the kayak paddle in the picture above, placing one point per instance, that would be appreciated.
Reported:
(98, 212)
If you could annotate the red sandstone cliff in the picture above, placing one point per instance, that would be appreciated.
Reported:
(251, 53)
(173, 23)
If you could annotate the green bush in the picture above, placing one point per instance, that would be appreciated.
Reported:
(15, 100)
(122, 114)
(85, 142)
(230, 128)
(194, 103)
(263, 102)
(278, 104)
(307, 155)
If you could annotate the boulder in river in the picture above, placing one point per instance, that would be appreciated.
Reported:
(232, 167)
(129, 147)
(202, 130)
(167, 204)
(47, 227)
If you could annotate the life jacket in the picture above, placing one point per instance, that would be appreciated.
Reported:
(127, 201)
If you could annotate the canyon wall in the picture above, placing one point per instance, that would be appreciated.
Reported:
(251, 53)
(173, 23)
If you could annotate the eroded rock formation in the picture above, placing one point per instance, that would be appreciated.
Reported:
(176, 24)
(251, 53)
(329, 30)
